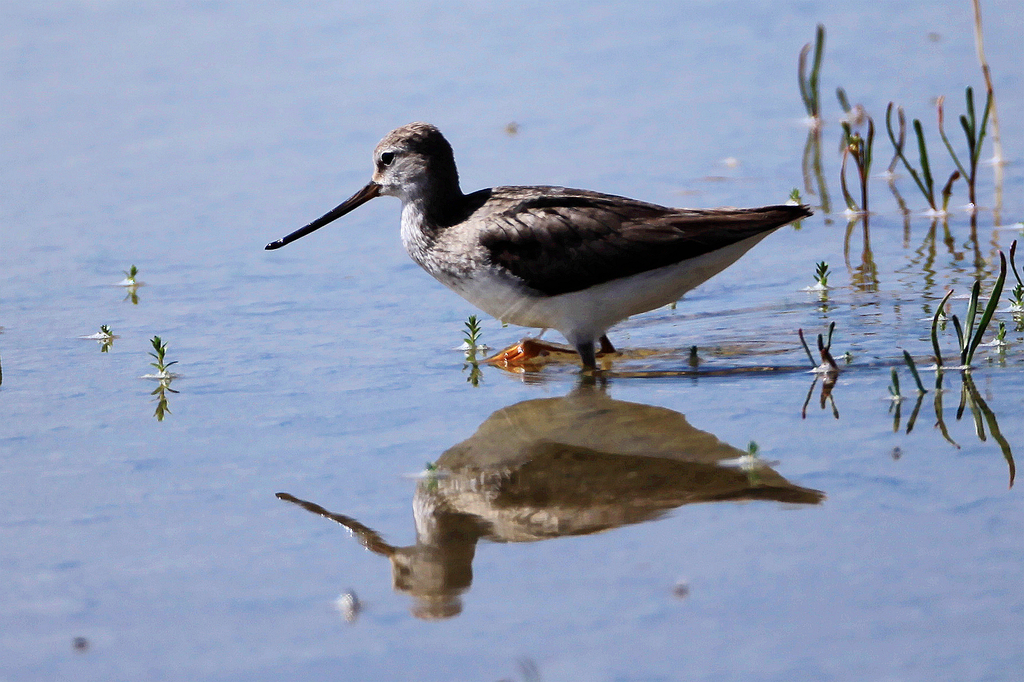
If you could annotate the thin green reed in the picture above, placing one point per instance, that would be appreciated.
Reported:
(809, 83)
(969, 334)
(924, 178)
(975, 135)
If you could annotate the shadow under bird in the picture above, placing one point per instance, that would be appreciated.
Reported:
(551, 257)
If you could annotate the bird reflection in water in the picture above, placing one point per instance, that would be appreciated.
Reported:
(552, 467)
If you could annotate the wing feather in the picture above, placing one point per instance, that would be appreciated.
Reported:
(567, 240)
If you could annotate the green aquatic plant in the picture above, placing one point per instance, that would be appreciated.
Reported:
(969, 334)
(896, 400)
(821, 274)
(923, 180)
(1000, 339)
(1017, 293)
(859, 148)
(939, 314)
(975, 134)
(809, 93)
(971, 339)
(165, 377)
(104, 336)
(131, 284)
(820, 286)
(894, 386)
(1017, 298)
(471, 335)
(471, 344)
(161, 365)
(809, 81)
(106, 339)
(129, 276)
(795, 199)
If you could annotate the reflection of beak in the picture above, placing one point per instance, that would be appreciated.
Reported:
(356, 200)
(368, 537)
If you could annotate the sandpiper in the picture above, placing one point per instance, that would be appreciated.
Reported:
(551, 257)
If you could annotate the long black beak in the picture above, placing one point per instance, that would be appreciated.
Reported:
(355, 201)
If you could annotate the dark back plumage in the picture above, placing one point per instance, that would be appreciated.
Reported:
(560, 240)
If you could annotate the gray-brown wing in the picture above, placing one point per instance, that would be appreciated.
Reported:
(559, 243)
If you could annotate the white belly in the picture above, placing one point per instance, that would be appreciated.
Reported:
(586, 315)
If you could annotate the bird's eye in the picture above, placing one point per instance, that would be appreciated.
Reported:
(387, 158)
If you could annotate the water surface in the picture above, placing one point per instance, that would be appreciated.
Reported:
(527, 527)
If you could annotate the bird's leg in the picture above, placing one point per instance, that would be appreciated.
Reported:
(606, 345)
(586, 351)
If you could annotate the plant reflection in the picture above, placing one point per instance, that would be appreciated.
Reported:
(105, 337)
(828, 382)
(814, 176)
(809, 79)
(160, 392)
(163, 375)
(969, 398)
(547, 468)
(865, 275)
(982, 413)
(131, 285)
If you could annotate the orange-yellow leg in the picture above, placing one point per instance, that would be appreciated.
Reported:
(535, 351)
(527, 351)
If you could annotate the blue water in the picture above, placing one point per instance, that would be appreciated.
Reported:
(181, 138)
